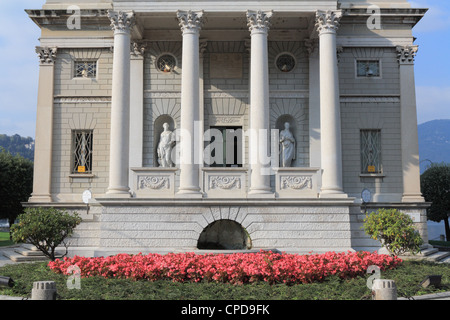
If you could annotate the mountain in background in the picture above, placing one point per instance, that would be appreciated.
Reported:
(18, 145)
(434, 142)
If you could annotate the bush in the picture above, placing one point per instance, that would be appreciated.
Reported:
(394, 229)
(46, 228)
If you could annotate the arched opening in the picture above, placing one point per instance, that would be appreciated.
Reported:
(224, 235)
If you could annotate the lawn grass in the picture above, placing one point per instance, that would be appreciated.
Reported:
(407, 277)
(4, 239)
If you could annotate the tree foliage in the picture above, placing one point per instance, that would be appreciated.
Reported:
(16, 184)
(45, 228)
(435, 185)
(394, 229)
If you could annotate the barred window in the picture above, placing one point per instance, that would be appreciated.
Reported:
(371, 151)
(368, 68)
(82, 151)
(85, 69)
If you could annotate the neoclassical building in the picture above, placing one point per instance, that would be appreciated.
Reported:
(184, 125)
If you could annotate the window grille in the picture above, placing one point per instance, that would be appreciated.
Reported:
(371, 151)
(166, 63)
(85, 69)
(82, 151)
(285, 63)
(368, 68)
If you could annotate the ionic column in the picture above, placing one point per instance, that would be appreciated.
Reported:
(121, 23)
(44, 127)
(259, 24)
(327, 24)
(190, 23)
(409, 135)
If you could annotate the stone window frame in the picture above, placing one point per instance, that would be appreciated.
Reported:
(380, 68)
(282, 54)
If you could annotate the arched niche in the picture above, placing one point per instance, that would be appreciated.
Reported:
(224, 235)
(158, 129)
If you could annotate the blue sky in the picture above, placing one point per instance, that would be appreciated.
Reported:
(20, 67)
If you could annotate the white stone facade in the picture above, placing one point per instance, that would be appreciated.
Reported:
(219, 65)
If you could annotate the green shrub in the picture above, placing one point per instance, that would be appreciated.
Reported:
(394, 229)
(46, 228)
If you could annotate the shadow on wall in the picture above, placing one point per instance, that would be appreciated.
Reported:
(224, 235)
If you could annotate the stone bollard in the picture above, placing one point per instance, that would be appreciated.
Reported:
(384, 289)
(44, 290)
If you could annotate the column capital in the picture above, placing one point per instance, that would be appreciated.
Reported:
(311, 45)
(47, 56)
(406, 54)
(328, 21)
(190, 21)
(122, 21)
(259, 21)
(138, 49)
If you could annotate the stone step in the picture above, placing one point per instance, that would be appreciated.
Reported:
(439, 256)
(17, 257)
(27, 253)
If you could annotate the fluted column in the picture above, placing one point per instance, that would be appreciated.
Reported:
(327, 24)
(409, 135)
(259, 24)
(121, 23)
(190, 23)
(44, 127)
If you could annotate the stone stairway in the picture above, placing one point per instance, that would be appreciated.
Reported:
(25, 253)
(430, 254)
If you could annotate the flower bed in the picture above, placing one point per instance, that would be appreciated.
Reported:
(235, 268)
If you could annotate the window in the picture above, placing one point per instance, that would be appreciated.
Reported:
(285, 62)
(85, 69)
(82, 151)
(225, 149)
(368, 68)
(166, 63)
(371, 152)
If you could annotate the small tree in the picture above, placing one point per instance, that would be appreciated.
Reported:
(435, 185)
(394, 229)
(45, 228)
(16, 184)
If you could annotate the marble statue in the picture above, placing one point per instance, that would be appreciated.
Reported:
(287, 146)
(165, 146)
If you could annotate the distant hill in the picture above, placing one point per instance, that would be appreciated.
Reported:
(434, 142)
(18, 145)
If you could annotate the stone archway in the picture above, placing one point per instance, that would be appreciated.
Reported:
(224, 235)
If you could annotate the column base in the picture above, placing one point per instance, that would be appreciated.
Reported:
(409, 198)
(118, 193)
(332, 194)
(189, 194)
(261, 193)
(40, 198)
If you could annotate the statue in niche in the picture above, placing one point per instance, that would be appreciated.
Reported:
(165, 146)
(287, 146)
